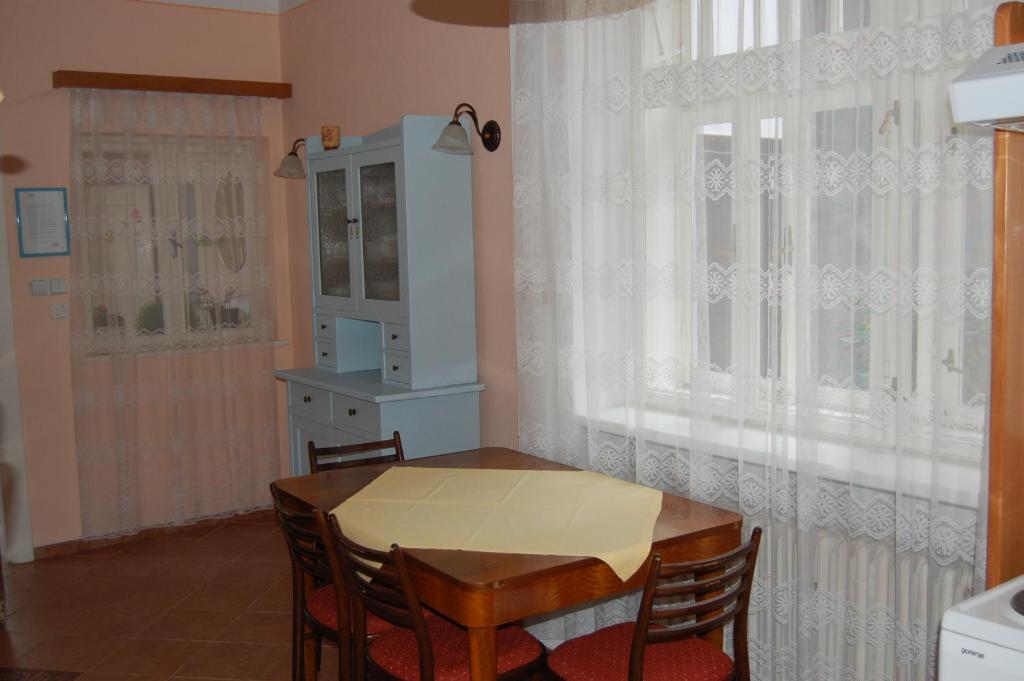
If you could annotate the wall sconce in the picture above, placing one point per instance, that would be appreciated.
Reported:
(454, 140)
(291, 165)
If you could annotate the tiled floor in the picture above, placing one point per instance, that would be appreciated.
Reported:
(210, 602)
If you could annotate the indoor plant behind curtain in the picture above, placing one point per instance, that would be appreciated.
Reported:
(171, 315)
(753, 268)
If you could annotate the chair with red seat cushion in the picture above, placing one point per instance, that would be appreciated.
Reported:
(681, 602)
(418, 648)
(316, 603)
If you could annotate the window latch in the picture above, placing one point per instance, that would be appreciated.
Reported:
(950, 363)
(892, 117)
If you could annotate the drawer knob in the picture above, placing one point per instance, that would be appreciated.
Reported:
(394, 367)
(394, 336)
(307, 398)
(353, 412)
(323, 327)
(323, 353)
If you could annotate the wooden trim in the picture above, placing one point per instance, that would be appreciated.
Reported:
(110, 545)
(202, 86)
(1006, 436)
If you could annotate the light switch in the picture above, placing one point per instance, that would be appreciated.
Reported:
(58, 286)
(39, 287)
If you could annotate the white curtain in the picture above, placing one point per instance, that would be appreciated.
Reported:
(753, 268)
(171, 315)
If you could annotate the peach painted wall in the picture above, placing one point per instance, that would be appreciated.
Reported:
(361, 65)
(36, 38)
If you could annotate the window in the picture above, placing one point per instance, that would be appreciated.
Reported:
(171, 228)
(748, 230)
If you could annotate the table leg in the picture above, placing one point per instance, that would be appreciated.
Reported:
(483, 657)
(309, 655)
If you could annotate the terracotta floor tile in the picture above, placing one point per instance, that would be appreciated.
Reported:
(46, 675)
(259, 627)
(14, 645)
(262, 516)
(27, 587)
(234, 661)
(69, 566)
(272, 549)
(234, 597)
(193, 625)
(154, 657)
(252, 572)
(95, 589)
(278, 598)
(42, 618)
(251, 532)
(114, 676)
(70, 653)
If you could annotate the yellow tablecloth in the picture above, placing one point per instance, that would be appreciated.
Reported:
(567, 513)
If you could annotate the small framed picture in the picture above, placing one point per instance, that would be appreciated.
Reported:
(43, 227)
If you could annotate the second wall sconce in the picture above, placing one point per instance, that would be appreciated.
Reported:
(454, 140)
(291, 165)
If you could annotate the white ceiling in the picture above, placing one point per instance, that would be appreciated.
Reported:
(260, 6)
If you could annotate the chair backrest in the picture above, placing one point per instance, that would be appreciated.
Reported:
(330, 458)
(310, 564)
(683, 600)
(379, 582)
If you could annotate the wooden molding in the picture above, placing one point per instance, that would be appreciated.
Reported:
(202, 86)
(1006, 435)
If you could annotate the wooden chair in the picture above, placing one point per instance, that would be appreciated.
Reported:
(379, 584)
(331, 458)
(319, 610)
(681, 602)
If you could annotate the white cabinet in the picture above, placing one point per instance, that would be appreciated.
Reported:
(394, 309)
(391, 249)
(336, 409)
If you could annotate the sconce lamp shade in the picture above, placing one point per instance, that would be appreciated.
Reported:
(454, 140)
(291, 165)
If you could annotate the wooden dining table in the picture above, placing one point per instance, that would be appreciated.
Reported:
(482, 591)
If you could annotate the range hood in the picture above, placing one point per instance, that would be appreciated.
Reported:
(991, 93)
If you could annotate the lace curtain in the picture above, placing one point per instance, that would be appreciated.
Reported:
(753, 268)
(171, 316)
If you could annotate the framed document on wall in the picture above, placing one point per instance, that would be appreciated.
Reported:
(43, 227)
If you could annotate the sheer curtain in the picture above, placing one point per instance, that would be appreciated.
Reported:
(171, 317)
(753, 268)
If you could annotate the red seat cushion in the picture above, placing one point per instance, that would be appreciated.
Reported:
(397, 654)
(605, 655)
(322, 605)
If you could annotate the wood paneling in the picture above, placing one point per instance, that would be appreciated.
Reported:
(1006, 437)
(203, 86)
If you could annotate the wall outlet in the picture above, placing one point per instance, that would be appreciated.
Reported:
(59, 310)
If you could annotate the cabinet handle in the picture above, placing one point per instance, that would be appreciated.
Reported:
(352, 412)
(307, 398)
(323, 353)
(394, 367)
(323, 327)
(394, 336)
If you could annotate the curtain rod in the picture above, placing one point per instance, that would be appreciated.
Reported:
(203, 86)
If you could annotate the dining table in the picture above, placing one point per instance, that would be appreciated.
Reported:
(484, 590)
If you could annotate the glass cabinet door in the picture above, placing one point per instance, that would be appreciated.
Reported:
(334, 268)
(378, 200)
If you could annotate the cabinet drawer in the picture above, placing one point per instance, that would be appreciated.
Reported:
(324, 326)
(325, 352)
(396, 367)
(349, 412)
(396, 337)
(313, 402)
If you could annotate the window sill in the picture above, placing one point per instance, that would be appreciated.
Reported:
(954, 480)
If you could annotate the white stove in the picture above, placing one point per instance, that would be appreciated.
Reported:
(983, 637)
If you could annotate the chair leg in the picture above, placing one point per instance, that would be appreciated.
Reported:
(309, 655)
(319, 651)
